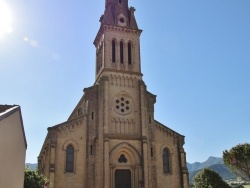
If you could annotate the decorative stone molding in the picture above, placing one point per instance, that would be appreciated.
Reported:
(123, 136)
(128, 150)
(123, 81)
(177, 137)
(69, 126)
(52, 168)
(111, 28)
(70, 142)
(122, 126)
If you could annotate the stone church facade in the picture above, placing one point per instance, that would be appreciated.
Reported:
(111, 139)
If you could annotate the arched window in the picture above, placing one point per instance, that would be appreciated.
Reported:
(166, 161)
(70, 159)
(113, 51)
(121, 52)
(129, 53)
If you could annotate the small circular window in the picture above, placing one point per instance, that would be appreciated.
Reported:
(122, 104)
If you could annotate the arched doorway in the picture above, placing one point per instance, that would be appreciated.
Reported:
(122, 179)
(125, 166)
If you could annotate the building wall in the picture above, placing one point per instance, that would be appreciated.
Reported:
(171, 179)
(77, 138)
(52, 159)
(112, 129)
(13, 150)
(130, 147)
(142, 146)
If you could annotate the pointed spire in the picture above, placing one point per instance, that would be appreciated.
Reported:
(117, 13)
(133, 23)
(108, 16)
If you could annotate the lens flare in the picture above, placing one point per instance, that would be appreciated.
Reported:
(5, 19)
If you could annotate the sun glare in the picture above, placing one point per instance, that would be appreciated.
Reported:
(5, 19)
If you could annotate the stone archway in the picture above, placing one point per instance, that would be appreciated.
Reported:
(125, 167)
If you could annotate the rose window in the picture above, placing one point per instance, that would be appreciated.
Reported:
(122, 104)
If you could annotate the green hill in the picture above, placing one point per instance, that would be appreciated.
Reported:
(31, 166)
(215, 164)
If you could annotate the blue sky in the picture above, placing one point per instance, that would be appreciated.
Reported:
(195, 58)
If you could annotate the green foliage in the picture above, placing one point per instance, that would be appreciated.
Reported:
(238, 160)
(239, 186)
(34, 180)
(207, 178)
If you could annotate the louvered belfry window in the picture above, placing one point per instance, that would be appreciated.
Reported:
(121, 53)
(129, 54)
(113, 51)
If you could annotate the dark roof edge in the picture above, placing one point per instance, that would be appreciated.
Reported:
(165, 127)
(66, 122)
(76, 107)
(21, 119)
(11, 111)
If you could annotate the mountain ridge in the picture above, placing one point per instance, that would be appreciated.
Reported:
(200, 165)
(31, 166)
(214, 163)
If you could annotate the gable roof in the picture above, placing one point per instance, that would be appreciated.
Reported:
(170, 131)
(7, 110)
(5, 107)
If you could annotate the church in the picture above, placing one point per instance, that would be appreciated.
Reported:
(111, 139)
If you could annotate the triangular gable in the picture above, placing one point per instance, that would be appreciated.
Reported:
(8, 110)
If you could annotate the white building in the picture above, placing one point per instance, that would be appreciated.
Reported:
(12, 146)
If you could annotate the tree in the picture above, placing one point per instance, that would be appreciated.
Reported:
(207, 178)
(34, 180)
(238, 160)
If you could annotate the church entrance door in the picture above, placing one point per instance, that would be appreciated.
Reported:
(122, 179)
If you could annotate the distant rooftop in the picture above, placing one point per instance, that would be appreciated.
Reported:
(5, 107)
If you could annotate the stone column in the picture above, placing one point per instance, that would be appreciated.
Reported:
(145, 158)
(137, 176)
(84, 153)
(106, 112)
(99, 155)
(52, 180)
(143, 109)
(52, 163)
(133, 172)
(184, 169)
(112, 176)
(106, 164)
(102, 128)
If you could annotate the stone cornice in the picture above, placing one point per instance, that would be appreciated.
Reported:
(126, 30)
(116, 71)
(170, 132)
(123, 136)
(77, 106)
(69, 124)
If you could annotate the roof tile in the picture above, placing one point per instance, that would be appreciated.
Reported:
(5, 107)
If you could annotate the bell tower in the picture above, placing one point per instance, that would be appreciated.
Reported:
(118, 41)
(111, 139)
